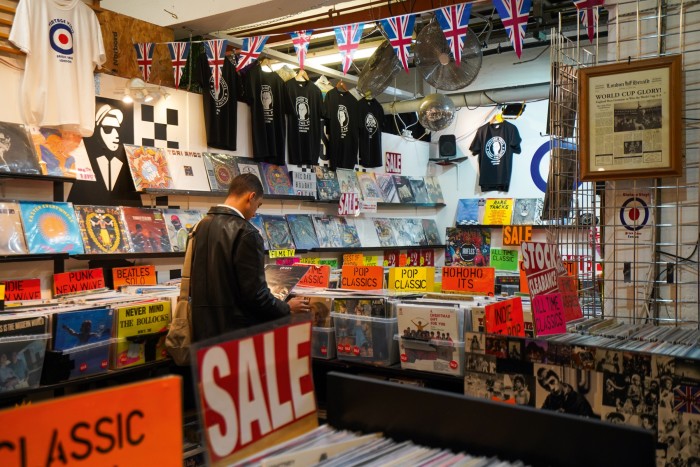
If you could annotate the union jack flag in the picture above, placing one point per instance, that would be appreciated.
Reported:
(144, 57)
(301, 40)
(686, 399)
(399, 30)
(252, 47)
(178, 55)
(216, 54)
(348, 38)
(454, 21)
(514, 14)
(588, 10)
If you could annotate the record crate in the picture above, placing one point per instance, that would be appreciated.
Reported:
(323, 343)
(433, 356)
(366, 339)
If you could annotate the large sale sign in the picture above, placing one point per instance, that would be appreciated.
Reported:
(542, 263)
(256, 391)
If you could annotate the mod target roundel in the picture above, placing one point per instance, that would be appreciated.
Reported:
(634, 214)
(61, 38)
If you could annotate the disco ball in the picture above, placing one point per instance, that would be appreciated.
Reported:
(436, 112)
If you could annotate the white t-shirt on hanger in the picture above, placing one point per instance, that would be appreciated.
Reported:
(63, 43)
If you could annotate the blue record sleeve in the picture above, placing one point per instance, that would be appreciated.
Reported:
(51, 228)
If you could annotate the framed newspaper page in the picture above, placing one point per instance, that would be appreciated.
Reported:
(630, 119)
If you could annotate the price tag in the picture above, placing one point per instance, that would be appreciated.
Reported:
(478, 280)
(391, 258)
(427, 257)
(78, 281)
(134, 275)
(281, 253)
(368, 206)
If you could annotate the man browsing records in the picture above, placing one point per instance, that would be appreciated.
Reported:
(228, 287)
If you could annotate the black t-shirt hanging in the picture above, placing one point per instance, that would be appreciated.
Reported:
(340, 111)
(305, 109)
(220, 112)
(370, 120)
(264, 93)
(495, 144)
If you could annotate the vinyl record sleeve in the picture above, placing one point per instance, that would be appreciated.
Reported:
(17, 152)
(102, 229)
(187, 170)
(148, 167)
(180, 223)
(62, 153)
(51, 228)
(221, 170)
(147, 230)
(11, 234)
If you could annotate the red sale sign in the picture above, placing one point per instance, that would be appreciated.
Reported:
(392, 163)
(349, 204)
(256, 389)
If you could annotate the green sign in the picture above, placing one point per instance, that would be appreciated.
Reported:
(504, 260)
(332, 262)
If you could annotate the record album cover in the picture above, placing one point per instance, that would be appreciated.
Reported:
(401, 233)
(147, 230)
(404, 190)
(102, 229)
(387, 187)
(348, 233)
(51, 228)
(62, 153)
(257, 222)
(246, 165)
(432, 184)
(366, 232)
(17, 153)
(84, 336)
(303, 232)
(139, 332)
(187, 170)
(221, 169)
(432, 234)
(304, 183)
(327, 232)
(467, 246)
(347, 179)
(414, 229)
(527, 211)
(148, 167)
(385, 232)
(11, 235)
(282, 279)
(180, 223)
(327, 184)
(369, 187)
(276, 179)
(277, 231)
(420, 192)
(470, 211)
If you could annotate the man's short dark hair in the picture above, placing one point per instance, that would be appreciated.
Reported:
(245, 183)
(543, 374)
(519, 378)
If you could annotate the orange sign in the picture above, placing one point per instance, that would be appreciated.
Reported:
(27, 289)
(134, 275)
(571, 268)
(78, 281)
(362, 277)
(133, 424)
(506, 317)
(316, 276)
(478, 280)
(523, 279)
(353, 259)
(516, 234)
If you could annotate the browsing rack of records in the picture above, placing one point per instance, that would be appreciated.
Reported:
(85, 339)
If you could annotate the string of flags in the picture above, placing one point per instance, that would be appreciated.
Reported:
(453, 20)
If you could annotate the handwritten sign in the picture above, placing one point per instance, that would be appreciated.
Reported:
(362, 278)
(312, 260)
(412, 279)
(514, 235)
(78, 281)
(506, 317)
(353, 259)
(368, 206)
(543, 264)
(316, 276)
(498, 211)
(370, 260)
(391, 258)
(287, 261)
(134, 275)
(392, 163)
(332, 262)
(255, 391)
(132, 424)
(280, 253)
(548, 314)
(27, 289)
(349, 204)
(477, 280)
(504, 260)
(569, 296)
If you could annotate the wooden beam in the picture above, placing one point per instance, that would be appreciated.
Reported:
(4, 35)
(7, 9)
(5, 22)
(10, 50)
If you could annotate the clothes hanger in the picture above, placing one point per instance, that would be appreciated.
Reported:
(302, 75)
(498, 118)
(340, 86)
(265, 62)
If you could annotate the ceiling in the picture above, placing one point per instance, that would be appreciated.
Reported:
(241, 18)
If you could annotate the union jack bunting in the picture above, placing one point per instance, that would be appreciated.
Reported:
(588, 10)
(216, 54)
(454, 21)
(178, 55)
(399, 30)
(686, 399)
(514, 14)
(252, 47)
(301, 40)
(144, 57)
(348, 38)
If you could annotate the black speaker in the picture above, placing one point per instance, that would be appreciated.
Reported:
(447, 146)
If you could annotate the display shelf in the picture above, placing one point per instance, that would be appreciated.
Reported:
(107, 256)
(43, 178)
(390, 205)
(162, 192)
(482, 427)
(58, 389)
(29, 257)
(374, 248)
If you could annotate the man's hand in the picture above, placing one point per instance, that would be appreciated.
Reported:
(299, 305)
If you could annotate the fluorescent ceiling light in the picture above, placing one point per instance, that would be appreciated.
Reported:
(337, 58)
